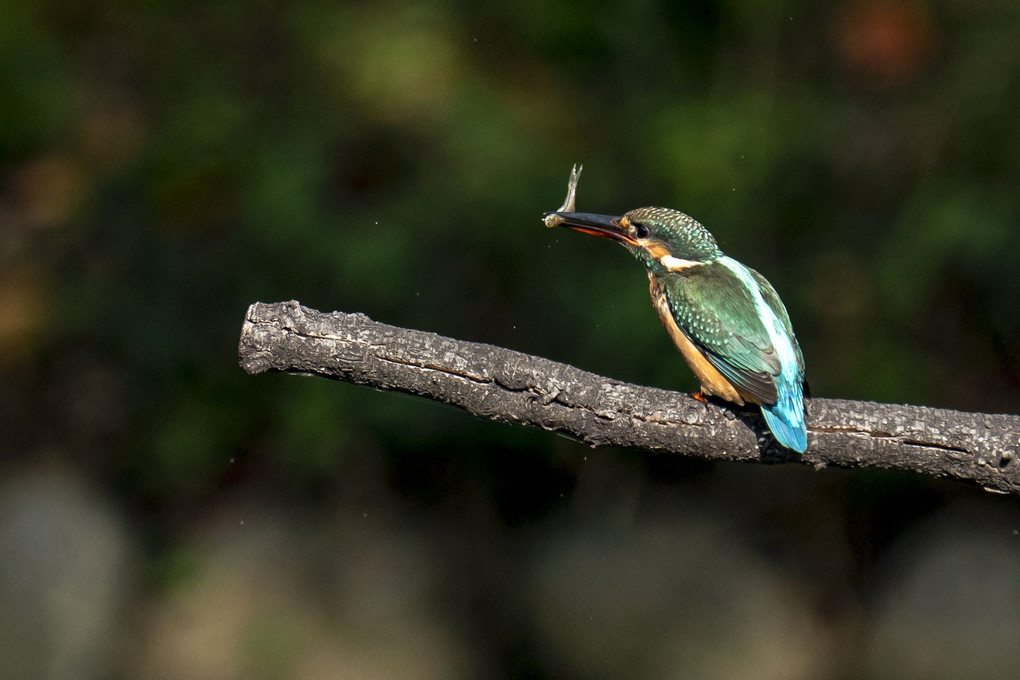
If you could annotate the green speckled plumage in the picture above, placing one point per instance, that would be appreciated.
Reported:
(719, 316)
(690, 240)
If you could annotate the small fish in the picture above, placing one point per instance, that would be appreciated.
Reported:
(554, 220)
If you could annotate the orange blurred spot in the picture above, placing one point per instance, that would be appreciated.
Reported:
(23, 312)
(884, 43)
(47, 190)
(111, 131)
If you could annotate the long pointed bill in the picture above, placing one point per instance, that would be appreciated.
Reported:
(606, 226)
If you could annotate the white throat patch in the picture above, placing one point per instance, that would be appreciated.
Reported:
(675, 264)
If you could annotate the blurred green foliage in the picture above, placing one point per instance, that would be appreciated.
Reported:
(166, 165)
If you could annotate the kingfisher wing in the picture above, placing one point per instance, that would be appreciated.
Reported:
(771, 298)
(717, 312)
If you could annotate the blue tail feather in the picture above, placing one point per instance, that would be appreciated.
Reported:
(786, 418)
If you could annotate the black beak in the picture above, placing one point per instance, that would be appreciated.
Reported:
(606, 226)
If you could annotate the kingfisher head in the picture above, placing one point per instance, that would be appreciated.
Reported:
(661, 238)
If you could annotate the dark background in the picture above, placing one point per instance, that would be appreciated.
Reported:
(164, 164)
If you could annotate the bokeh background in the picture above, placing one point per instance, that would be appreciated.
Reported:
(165, 163)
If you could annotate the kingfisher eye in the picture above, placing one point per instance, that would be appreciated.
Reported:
(640, 230)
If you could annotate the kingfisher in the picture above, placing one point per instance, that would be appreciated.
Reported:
(725, 318)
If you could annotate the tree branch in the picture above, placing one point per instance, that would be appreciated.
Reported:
(509, 386)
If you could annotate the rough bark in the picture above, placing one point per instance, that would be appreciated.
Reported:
(508, 386)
